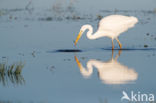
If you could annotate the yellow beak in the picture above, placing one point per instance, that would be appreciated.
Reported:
(78, 63)
(78, 37)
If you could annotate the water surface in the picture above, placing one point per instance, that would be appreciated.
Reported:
(56, 71)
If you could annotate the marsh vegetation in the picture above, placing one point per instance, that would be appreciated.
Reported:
(11, 73)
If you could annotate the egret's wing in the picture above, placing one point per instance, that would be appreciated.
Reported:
(117, 23)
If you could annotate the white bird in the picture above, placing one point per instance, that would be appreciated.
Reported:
(110, 26)
(110, 72)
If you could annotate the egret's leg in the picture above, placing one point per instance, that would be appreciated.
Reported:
(119, 43)
(78, 63)
(116, 57)
(112, 53)
(112, 45)
(120, 52)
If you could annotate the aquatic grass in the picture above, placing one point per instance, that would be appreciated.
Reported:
(2, 68)
(19, 67)
(11, 73)
(11, 68)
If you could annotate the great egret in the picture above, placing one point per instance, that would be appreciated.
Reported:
(110, 26)
(110, 72)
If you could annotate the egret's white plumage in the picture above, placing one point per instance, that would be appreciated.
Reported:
(110, 26)
(110, 72)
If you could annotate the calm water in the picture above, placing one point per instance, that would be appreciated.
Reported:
(33, 38)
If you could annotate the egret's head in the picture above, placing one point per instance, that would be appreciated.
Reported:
(83, 28)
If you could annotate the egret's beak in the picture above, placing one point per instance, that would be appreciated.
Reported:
(78, 37)
(78, 63)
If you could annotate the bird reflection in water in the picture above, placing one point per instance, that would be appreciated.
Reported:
(110, 72)
(11, 74)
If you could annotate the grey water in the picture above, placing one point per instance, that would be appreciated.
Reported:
(40, 64)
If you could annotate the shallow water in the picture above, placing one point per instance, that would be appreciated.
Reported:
(56, 77)
(56, 71)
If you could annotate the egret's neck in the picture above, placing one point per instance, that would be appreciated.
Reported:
(90, 34)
